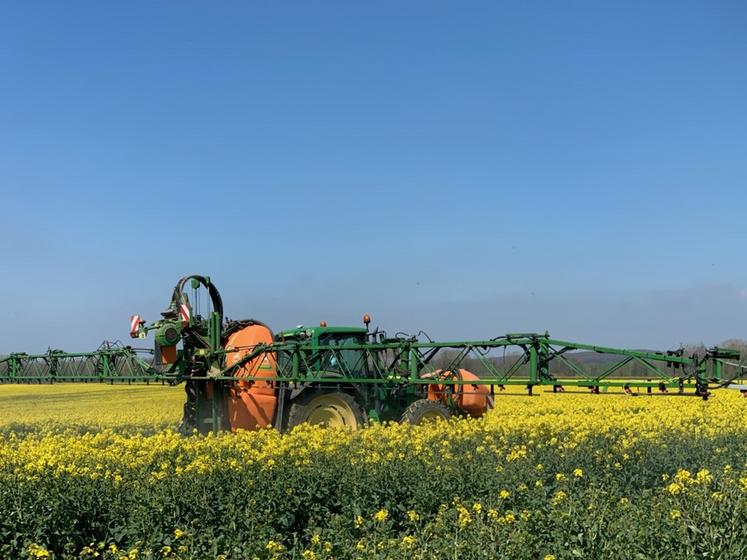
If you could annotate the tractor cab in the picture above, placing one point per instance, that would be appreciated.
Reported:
(337, 350)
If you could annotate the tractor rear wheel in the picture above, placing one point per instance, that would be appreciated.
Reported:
(332, 410)
(423, 411)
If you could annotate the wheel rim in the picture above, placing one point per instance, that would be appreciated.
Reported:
(330, 411)
(431, 416)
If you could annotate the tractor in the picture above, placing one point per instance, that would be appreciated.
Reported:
(239, 375)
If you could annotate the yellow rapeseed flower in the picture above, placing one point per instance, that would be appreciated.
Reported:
(381, 515)
(465, 518)
(274, 547)
(559, 497)
(37, 551)
(704, 476)
(674, 488)
(408, 541)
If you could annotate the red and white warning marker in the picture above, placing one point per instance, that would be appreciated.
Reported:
(135, 323)
(185, 313)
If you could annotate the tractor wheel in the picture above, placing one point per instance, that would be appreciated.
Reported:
(333, 410)
(423, 411)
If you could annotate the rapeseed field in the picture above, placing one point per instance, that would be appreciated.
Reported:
(99, 472)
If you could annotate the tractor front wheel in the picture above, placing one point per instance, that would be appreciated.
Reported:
(332, 410)
(423, 411)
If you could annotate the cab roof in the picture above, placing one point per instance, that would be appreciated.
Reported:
(316, 331)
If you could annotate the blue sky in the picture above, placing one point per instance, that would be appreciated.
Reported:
(466, 168)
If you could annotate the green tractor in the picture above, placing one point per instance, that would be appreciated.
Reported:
(239, 375)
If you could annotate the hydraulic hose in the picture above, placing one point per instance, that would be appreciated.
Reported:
(177, 299)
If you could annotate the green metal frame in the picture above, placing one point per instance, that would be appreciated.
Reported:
(112, 363)
(532, 362)
(391, 361)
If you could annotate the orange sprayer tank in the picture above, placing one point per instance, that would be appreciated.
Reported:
(251, 404)
(473, 399)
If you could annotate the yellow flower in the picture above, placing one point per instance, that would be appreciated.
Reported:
(682, 475)
(519, 452)
(413, 516)
(675, 514)
(315, 538)
(578, 473)
(674, 488)
(408, 541)
(464, 516)
(274, 547)
(178, 533)
(549, 557)
(704, 476)
(559, 497)
(308, 555)
(381, 515)
(37, 551)
(359, 521)
(504, 494)
(560, 477)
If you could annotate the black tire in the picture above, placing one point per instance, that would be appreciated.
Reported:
(188, 423)
(339, 409)
(424, 410)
